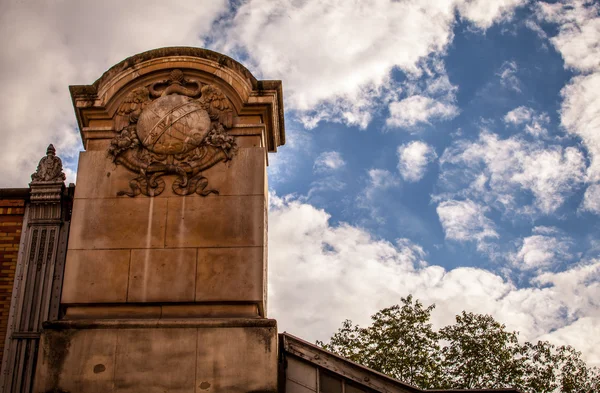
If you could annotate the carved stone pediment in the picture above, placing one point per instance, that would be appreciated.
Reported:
(177, 126)
(49, 169)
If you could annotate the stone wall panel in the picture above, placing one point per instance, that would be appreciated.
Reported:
(96, 276)
(216, 221)
(118, 223)
(162, 275)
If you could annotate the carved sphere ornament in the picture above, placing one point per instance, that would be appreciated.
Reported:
(175, 126)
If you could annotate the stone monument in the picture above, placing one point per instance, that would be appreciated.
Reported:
(165, 275)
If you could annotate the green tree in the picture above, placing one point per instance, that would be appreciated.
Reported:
(474, 352)
(480, 353)
(400, 343)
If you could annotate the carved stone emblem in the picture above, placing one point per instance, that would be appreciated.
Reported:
(175, 126)
(50, 169)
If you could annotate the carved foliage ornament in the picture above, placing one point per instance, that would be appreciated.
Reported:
(50, 169)
(175, 126)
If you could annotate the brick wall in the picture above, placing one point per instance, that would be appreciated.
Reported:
(11, 221)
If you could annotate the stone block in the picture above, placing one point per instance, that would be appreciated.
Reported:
(162, 275)
(140, 356)
(216, 221)
(230, 274)
(237, 360)
(96, 276)
(118, 223)
(245, 174)
(76, 361)
(155, 361)
(99, 177)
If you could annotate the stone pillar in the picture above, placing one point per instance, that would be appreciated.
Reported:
(165, 278)
(39, 271)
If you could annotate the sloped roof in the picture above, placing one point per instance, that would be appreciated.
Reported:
(294, 346)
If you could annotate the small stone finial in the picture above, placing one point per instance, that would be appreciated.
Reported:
(49, 169)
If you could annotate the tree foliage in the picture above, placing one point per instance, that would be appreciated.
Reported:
(475, 352)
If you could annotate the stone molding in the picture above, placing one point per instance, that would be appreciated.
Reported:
(97, 104)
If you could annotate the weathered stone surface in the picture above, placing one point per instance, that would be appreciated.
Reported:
(216, 221)
(165, 311)
(235, 355)
(96, 311)
(245, 174)
(220, 356)
(118, 223)
(77, 361)
(99, 177)
(230, 274)
(96, 276)
(162, 275)
(155, 361)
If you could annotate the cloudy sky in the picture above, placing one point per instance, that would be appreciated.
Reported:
(447, 149)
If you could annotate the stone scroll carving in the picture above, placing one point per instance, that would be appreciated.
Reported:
(49, 169)
(176, 127)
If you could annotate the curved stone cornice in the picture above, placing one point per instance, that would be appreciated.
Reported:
(96, 104)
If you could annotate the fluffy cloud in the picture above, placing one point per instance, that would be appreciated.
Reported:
(484, 13)
(543, 249)
(498, 171)
(419, 109)
(382, 179)
(413, 159)
(359, 45)
(578, 24)
(591, 199)
(580, 115)
(534, 123)
(465, 220)
(318, 266)
(328, 161)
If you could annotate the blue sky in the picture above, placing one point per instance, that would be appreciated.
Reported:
(447, 149)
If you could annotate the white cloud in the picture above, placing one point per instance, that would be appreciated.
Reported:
(317, 266)
(508, 76)
(335, 56)
(419, 109)
(328, 183)
(382, 179)
(484, 12)
(579, 27)
(577, 41)
(580, 115)
(542, 250)
(519, 115)
(591, 199)
(534, 123)
(465, 221)
(496, 171)
(413, 159)
(329, 161)
(581, 334)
